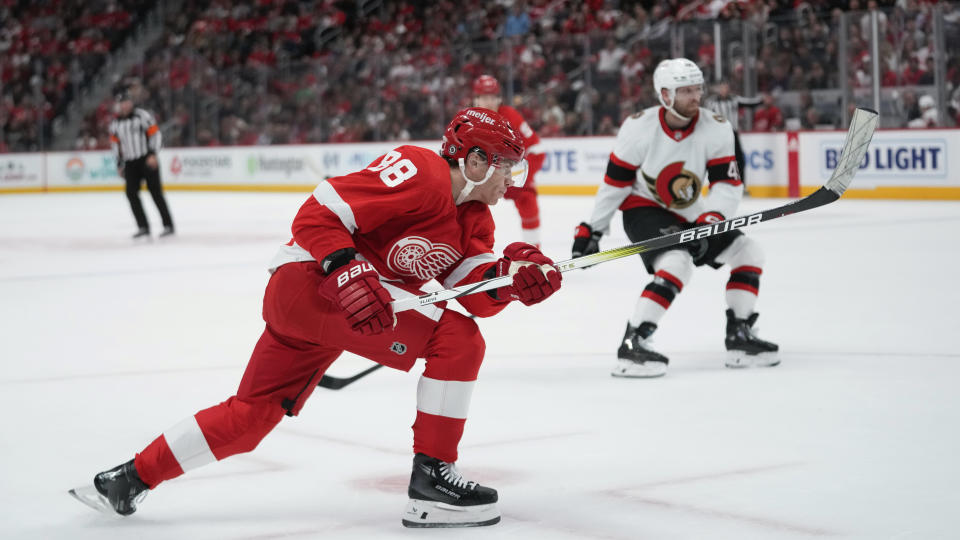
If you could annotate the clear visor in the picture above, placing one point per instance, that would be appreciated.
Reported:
(518, 173)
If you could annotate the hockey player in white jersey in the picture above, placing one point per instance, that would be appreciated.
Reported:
(662, 159)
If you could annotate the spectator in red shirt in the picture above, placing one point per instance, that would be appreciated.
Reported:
(706, 51)
(768, 116)
(912, 73)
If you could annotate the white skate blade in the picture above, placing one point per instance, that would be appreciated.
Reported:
(636, 370)
(89, 496)
(431, 514)
(740, 359)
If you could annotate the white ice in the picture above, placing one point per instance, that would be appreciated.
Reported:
(105, 343)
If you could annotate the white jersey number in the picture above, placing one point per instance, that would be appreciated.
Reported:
(733, 171)
(393, 172)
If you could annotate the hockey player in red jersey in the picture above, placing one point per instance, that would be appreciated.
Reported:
(659, 165)
(359, 242)
(486, 92)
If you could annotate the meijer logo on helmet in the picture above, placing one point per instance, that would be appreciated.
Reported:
(483, 117)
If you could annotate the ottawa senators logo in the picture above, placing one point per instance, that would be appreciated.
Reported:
(675, 187)
(417, 256)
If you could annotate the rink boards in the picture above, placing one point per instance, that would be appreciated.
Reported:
(901, 164)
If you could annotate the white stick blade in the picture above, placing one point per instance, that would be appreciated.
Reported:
(862, 126)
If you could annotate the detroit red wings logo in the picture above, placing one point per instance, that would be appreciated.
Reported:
(417, 256)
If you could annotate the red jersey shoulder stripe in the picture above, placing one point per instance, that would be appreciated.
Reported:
(621, 163)
(720, 160)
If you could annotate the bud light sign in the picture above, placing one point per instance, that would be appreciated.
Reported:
(893, 158)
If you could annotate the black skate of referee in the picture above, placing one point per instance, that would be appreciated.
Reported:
(135, 140)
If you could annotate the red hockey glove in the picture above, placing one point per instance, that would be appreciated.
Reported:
(356, 288)
(534, 276)
(708, 218)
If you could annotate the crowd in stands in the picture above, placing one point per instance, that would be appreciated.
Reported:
(300, 71)
(49, 49)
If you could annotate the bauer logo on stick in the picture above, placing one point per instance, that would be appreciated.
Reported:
(720, 227)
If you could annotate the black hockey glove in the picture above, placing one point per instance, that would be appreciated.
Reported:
(586, 241)
(698, 247)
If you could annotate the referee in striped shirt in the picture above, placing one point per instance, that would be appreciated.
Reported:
(135, 140)
(728, 106)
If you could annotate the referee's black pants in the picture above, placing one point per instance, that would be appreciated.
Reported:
(135, 172)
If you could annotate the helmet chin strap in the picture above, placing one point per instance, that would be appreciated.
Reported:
(470, 184)
(673, 99)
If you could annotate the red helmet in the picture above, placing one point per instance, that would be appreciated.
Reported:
(486, 84)
(483, 129)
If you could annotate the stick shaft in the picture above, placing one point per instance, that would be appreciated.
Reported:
(861, 130)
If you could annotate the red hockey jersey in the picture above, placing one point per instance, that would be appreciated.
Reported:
(399, 214)
(530, 138)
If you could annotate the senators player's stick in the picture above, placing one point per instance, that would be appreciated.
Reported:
(862, 126)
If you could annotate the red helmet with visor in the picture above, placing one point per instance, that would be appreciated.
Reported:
(481, 130)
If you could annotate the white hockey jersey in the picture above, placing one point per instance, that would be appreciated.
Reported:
(654, 165)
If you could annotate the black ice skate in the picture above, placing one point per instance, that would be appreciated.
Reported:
(636, 358)
(744, 348)
(117, 491)
(142, 234)
(440, 497)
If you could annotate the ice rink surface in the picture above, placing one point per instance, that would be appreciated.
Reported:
(105, 343)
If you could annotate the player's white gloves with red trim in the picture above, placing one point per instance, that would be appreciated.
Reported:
(534, 276)
(356, 288)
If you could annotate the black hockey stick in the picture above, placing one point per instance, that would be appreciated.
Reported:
(862, 126)
(336, 383)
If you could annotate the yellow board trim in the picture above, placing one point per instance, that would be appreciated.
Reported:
(884, 192)
(567, 190)
(897, 192)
